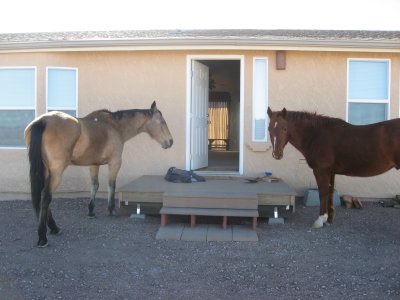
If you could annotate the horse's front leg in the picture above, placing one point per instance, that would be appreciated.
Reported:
(331, 206)
(113, 169)
(94, 177)
(323, 179)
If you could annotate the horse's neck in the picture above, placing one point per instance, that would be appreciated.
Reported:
(131, 126)
(300, 134)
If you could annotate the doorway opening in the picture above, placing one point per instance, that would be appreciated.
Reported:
(219, 148)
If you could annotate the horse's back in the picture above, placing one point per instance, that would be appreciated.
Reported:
(384, 134)
(100, 140)
(354, 150)
(367, 150)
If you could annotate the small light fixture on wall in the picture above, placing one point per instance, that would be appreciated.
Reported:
(281, 60)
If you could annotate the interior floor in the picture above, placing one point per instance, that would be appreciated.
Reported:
(222, 161)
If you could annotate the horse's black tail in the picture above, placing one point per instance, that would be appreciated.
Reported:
(36, 172)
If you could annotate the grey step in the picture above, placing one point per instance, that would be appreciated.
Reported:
(209, 211)
(242, 202)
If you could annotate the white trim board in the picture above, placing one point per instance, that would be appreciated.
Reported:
(189, 59)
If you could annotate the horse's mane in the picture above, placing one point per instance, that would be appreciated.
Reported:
(118, 115)
(131, 113)
(316, 120)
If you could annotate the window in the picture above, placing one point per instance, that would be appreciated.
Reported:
(17, 104)
(62, 90)
(260, 99)
(368, 90)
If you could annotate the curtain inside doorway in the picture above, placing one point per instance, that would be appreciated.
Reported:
(218, 121)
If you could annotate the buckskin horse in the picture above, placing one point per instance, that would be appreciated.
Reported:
(56, 140)
(332, 146)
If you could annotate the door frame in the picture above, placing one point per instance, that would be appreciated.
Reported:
(189, 59)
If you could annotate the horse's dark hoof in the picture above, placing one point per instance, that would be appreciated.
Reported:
(42, 244)
(113, 213)
(91, 216)
(56, 231)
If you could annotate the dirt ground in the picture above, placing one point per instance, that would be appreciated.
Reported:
(119, 258)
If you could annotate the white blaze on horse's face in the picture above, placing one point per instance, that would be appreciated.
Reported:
(279, 135)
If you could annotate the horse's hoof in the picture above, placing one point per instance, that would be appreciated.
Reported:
(113, 213)
(42, 244)
(91, 216)
(319, 223)
(57, 231)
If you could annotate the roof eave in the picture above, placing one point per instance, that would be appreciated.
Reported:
(176, 44)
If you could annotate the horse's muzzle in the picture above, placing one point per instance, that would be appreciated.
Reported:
(277, 156)
(168, 144)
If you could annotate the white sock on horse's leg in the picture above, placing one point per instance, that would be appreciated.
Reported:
(320, 221)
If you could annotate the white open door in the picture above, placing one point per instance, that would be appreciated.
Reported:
(199, 116)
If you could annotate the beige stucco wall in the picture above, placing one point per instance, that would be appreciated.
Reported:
(118, 80)
(133, 79)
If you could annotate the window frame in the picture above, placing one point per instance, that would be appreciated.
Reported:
(53, 108)
(368, 101)
(253, 119)
(16, 108)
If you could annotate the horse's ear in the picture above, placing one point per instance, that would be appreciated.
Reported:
(154, 106)
(284, 112)
(269, 111)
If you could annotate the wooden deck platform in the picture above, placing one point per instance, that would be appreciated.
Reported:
(154, 189)
(217, 196)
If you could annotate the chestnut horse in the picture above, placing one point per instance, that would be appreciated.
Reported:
(332, 146)
(56, 140)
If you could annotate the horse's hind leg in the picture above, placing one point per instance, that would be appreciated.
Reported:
(94, 176)
(54, 229)
(43, 214)
(331, 206)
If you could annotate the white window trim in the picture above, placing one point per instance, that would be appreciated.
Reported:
(266, 102)
(34, 107)
(50, 108)
(371, 101)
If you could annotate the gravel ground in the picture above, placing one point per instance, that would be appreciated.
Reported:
(119, 258)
